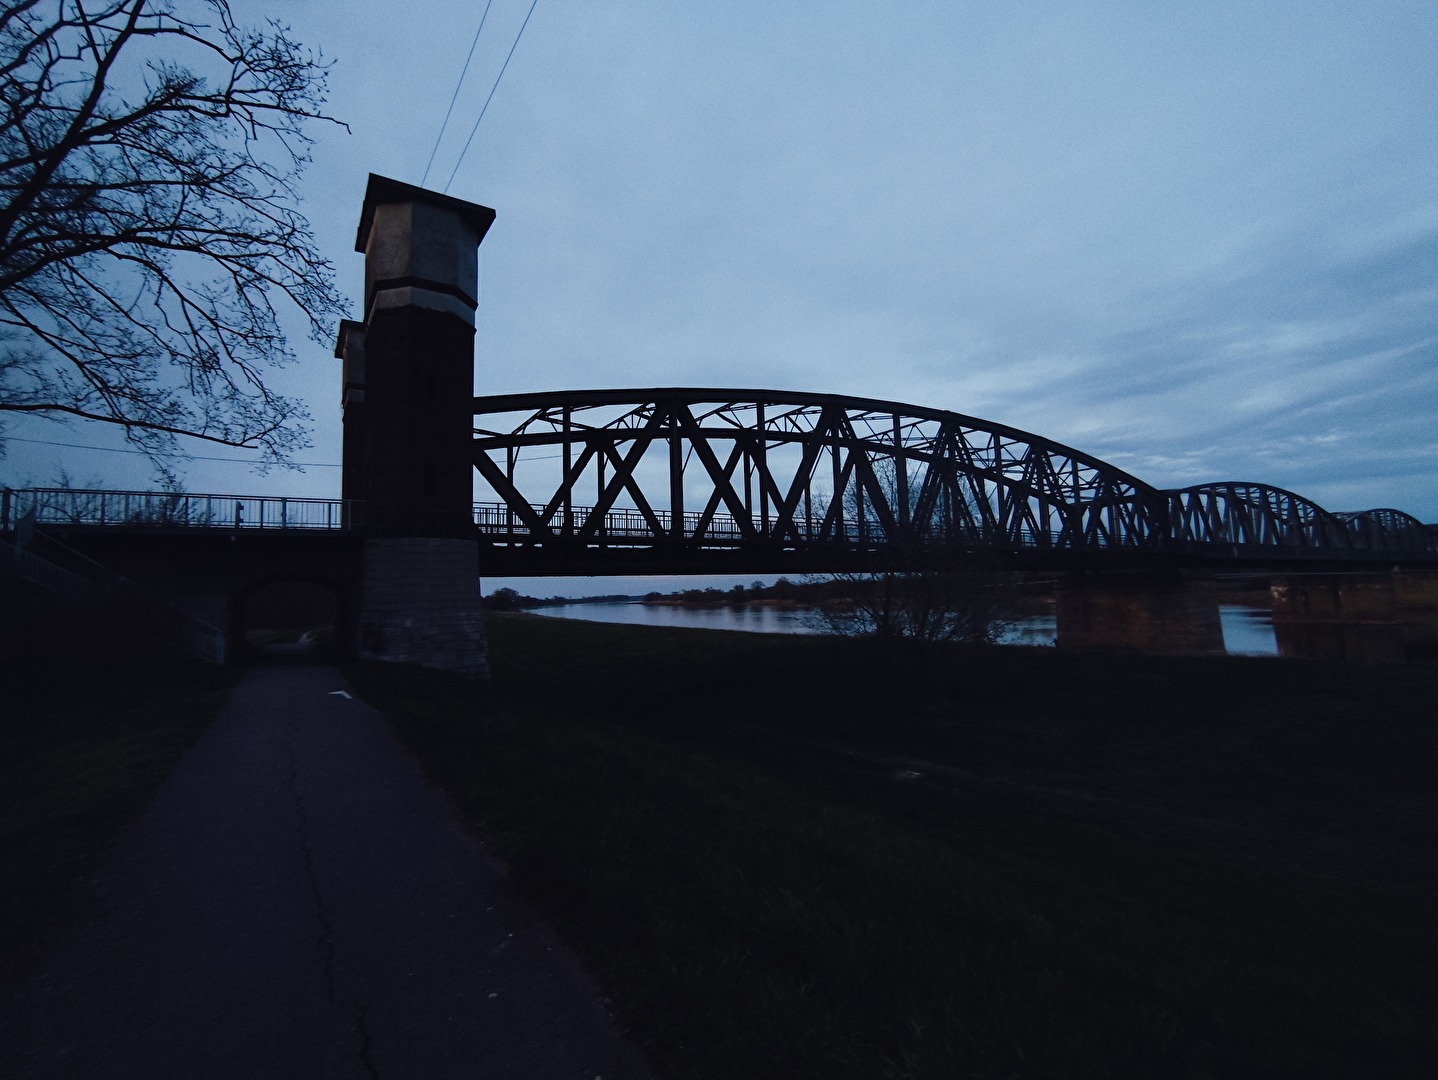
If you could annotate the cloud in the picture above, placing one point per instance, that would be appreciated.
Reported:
(1200, 242)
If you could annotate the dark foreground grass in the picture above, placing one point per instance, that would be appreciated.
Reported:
(797, 857)
(82, 750)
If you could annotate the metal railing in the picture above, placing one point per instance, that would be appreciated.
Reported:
(500, 523)
(158, 509)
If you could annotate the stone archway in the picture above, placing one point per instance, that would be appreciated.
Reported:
(292, 613)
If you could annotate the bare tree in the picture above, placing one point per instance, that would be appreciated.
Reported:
(941, 584)
(150, 232)
(963, 602)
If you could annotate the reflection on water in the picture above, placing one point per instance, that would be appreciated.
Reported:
(1040, 630)
(1246, 631)
(1380, 643)
(757, 620)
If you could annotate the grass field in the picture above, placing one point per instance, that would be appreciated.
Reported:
(809, 857)
(81, 753)
(790, 857)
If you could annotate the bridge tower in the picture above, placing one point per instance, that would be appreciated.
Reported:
(409, 385)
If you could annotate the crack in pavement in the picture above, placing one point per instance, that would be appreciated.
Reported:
(286, 749)
(362, 1026)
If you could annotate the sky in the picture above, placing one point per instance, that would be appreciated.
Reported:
(1197, 241)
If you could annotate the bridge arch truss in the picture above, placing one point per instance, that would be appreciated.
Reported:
(682, 476)
(809, 475)
(1242, 513)
(1261, 516)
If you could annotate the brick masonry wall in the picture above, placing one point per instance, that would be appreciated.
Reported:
(420, 604)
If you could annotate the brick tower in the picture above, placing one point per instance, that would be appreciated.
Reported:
(409, 387)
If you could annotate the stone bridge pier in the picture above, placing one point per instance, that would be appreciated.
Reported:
(408, 420)
(1370, 617)
(1139, 612)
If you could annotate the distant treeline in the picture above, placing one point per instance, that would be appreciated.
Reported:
(783, 591)
(507, 599)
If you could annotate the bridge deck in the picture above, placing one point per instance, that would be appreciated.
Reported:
(628, 540)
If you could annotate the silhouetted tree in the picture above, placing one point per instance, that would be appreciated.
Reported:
(943, 586)
(505, 599)
(959, 600)
(149, 223)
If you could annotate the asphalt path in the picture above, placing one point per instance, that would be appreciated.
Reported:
(297, 902)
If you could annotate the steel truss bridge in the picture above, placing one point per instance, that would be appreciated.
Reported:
(706, 481)
(679, 479)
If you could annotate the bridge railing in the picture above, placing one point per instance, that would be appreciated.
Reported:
(66, 506)
(501, 523)
(1360, 534)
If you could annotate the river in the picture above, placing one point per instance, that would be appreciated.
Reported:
(1246, 631)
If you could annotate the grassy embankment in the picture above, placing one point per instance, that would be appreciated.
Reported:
(84, 744)
(794, 857)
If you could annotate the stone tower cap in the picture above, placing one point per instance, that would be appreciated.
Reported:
(382, 190)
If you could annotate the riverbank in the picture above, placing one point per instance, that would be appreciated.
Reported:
(1247, 631)
(808, 857)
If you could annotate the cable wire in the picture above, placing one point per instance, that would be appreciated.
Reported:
(181, 456)
(176, 456)
(455, 96)
(487, 100)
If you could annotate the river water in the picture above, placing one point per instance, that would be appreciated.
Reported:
(1246, 631)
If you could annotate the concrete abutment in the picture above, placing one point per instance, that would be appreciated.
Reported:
(421, 604)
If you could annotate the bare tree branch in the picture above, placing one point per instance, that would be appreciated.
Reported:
(150, 156)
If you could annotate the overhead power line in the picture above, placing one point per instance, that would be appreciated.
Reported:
(200, 457)
(492, 89)
(176, 457)
(455, 96)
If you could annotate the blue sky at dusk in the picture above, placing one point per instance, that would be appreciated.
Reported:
(1199, 241)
